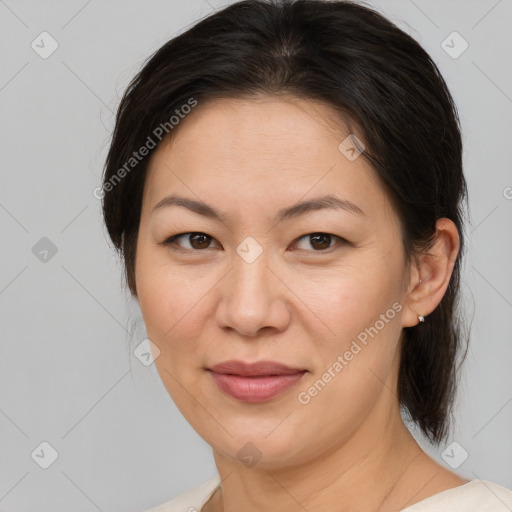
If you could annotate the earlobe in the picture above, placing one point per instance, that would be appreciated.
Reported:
(434, 270)
(413, 316)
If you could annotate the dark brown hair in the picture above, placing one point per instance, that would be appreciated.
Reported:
(361, 64)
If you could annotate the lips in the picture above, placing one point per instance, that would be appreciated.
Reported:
(258, 369)
(255, 382)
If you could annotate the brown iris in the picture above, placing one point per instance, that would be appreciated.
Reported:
(199, 240)
(320, 240)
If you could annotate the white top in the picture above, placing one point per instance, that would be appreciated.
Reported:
(474, 496)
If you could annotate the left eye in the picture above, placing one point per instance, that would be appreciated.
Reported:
(319, 241)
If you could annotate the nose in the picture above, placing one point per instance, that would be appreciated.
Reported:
(253, 299)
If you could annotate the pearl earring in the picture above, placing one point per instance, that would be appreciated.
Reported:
(421, 319)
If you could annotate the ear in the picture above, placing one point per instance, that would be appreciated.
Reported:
(431, 276)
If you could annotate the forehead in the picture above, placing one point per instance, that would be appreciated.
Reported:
(261, 150)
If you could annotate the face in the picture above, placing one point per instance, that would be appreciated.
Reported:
(318, 289)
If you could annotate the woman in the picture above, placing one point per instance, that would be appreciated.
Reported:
(285, 187)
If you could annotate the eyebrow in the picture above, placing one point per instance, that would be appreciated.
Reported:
(319, 203)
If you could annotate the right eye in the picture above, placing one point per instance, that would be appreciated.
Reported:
(196, 241)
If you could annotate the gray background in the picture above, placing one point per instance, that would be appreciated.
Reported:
(67, 373)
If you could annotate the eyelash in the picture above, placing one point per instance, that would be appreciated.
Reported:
(171, 242)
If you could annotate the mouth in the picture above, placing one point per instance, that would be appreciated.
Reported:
(255, 382)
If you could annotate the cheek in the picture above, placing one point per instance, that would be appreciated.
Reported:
(173, 304)
(350, 298)
(357, 316)
(354, 363)
(173, 301)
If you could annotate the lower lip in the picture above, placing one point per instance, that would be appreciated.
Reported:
(255, 389)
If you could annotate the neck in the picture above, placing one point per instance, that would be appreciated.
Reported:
(368, 471)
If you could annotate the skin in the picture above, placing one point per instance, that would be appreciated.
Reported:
(348, 448)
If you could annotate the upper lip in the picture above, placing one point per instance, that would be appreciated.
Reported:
(258, 368)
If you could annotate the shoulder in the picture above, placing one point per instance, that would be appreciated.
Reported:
(191, 500)
(474, 496)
